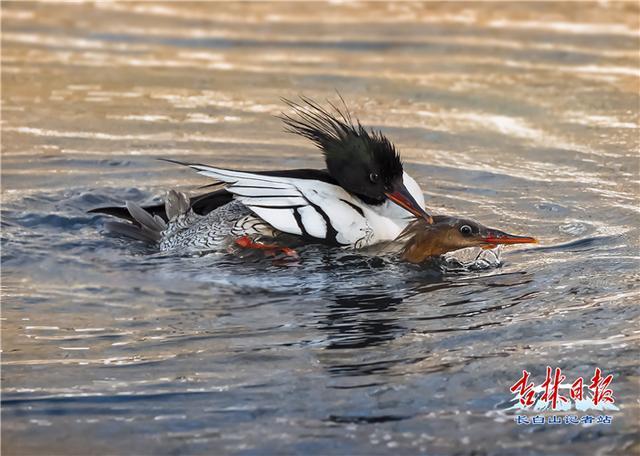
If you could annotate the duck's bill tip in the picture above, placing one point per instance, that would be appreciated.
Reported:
(403, 198)
(509, 239)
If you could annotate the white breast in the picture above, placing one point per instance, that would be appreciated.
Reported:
(388, 219)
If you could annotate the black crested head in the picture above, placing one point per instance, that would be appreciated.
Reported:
(363, 162)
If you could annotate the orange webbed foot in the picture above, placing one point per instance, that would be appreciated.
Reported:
(269, 249)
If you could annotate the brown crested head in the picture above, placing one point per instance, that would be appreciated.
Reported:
(446, 234)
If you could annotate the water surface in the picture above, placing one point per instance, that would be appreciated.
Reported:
(524, 117)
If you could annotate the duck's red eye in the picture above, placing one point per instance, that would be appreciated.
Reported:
(373, 177)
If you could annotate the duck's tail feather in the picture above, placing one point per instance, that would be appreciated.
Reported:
(123, 212)
(201, 205)
(176, 204)
(146, 225)
(131, 231)
(143, 218)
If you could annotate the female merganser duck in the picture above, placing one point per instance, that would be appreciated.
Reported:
(363, 197)
(421, 241)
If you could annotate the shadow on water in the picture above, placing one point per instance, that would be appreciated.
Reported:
(368, 317)
(361, 321)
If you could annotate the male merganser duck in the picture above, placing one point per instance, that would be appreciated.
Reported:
(363, 197)
(421, 241)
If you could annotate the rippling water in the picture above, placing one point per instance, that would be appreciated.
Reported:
(522, 116)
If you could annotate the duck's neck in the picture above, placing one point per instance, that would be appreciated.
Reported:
(419, 250)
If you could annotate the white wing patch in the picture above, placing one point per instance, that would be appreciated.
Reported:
(226, 175)
(313, 222)
(263, 191)
(274, 201)
(297, 206)
(281, 219)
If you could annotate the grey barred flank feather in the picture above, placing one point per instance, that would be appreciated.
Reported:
(213, 231)
(187, 231)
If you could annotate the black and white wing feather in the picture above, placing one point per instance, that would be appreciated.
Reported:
(307, 207)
